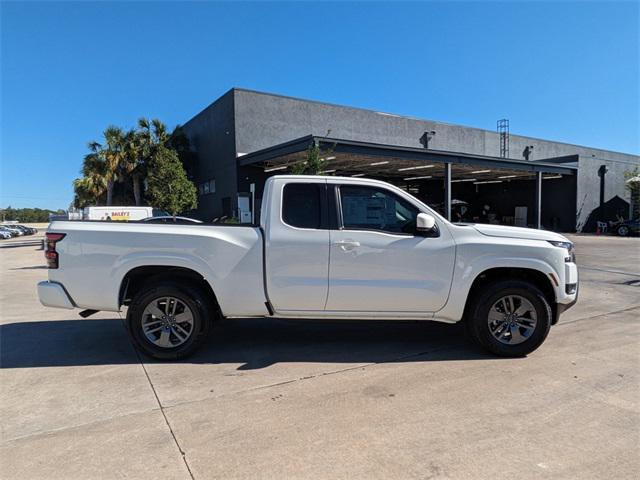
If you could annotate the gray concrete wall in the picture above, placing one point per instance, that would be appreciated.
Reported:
(243, 121)
(588, 190)
(212, 136)
(263, 120)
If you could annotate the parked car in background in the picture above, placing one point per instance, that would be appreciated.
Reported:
(14, 229)
(326, 247)
(171, 220)
(25, 230)
(628, 227)
(5, 234)
(10, 232)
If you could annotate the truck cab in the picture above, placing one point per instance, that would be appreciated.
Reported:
(353, 248)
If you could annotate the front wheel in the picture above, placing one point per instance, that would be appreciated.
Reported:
(510, 318)
(167, 321)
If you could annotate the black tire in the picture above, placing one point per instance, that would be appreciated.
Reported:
(478, 325)
(201, 311)
(623, 231)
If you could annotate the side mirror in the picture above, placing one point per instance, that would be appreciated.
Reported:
(425, 223)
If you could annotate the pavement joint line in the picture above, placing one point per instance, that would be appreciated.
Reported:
(391, 360)
(161, 408)
(285, 382)
(271, 385)
(347, 369)
(366, 365)
(310, 377)
(166, 420)
(53, 431)
(620, 272)
(569, 322)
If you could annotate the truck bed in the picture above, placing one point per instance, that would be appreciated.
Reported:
(95, 257)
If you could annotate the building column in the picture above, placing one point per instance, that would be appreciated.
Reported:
(538, 206)
(447, 191)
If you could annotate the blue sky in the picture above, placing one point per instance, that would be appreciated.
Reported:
(562, 71)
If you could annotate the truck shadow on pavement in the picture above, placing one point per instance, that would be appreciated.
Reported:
(252, 343)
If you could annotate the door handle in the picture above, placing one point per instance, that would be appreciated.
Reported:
(347, 244)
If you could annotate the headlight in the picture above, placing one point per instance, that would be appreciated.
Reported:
(568, 246)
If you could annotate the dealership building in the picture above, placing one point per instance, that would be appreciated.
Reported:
(467, 174)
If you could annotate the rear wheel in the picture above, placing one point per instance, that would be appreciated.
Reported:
(623, 230)
(510, 318)
(169, 321)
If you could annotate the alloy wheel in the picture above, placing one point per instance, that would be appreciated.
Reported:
(512, 319)
(167, 322)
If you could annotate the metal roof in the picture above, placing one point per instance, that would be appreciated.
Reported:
(352, 157)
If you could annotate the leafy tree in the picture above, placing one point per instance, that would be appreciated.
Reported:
(124, 160)
(141, 145)
(315, 162)
(313, 165)
(169, 187)
(27, 215)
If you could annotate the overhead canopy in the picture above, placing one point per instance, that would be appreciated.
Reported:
(348, 158)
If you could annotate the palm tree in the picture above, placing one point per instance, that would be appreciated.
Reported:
(113, 152)
(152, 133)
(143, 144)
(92, 186)
(160, 133)
(122, 156)
(110, 157)
(134, 163)
(86, 192)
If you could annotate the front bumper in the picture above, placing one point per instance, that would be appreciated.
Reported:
(567, 290)
(567, 300)
(52, 294)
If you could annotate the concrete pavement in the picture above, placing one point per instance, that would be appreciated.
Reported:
(285, 399)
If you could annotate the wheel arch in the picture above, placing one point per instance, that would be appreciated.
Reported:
(536, 277)
(138, 277)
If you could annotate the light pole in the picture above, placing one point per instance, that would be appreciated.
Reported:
(426, 136)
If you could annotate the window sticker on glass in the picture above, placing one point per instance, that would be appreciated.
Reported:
(367, 208)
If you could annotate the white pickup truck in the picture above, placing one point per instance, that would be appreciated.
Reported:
(326, 247)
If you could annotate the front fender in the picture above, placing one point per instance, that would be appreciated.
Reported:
(470, 264)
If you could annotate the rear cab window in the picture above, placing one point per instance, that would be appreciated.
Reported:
(302, 205)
